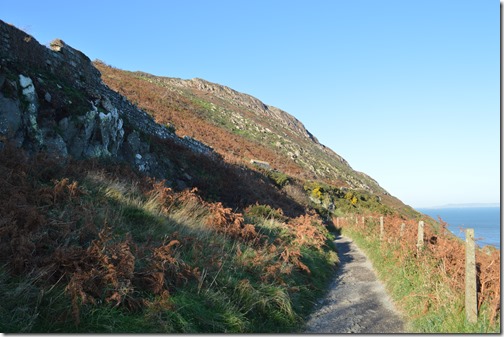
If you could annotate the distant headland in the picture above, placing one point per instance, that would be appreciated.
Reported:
(468, 205)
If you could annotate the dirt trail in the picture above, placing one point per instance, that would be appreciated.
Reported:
(357, 301)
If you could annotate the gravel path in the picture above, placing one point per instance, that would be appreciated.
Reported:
(357, 301)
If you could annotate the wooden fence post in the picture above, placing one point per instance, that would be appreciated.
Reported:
(381, 228)
(402, 229)
(471, 303)
(363, 221)
(420, 238)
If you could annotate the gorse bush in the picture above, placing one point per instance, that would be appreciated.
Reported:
(344, 200)
(351, 197)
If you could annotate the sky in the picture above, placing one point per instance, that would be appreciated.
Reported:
(406, 91)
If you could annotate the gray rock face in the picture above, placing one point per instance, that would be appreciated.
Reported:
(111, 131)
(10, 116)
(68, 129)
(95, 134)
(56, 146)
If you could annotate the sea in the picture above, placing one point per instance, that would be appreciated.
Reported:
(484, 220)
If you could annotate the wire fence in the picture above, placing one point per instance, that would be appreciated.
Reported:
(464, 267)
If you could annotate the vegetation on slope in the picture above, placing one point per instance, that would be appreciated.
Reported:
(428, 284)
(93, 247)
(168, 107)
(236, 125)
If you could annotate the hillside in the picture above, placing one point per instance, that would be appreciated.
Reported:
(241, 128)
(130, 203)
(238, 126)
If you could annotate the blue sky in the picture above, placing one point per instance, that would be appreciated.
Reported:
(406, 91)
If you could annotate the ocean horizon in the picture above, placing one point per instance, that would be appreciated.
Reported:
(484, 220)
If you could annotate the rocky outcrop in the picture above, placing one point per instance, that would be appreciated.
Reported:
(53, 99)
(240, 100)
(23, 121)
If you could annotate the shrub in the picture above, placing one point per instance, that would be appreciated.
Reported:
(280, 179)
(259, 212)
